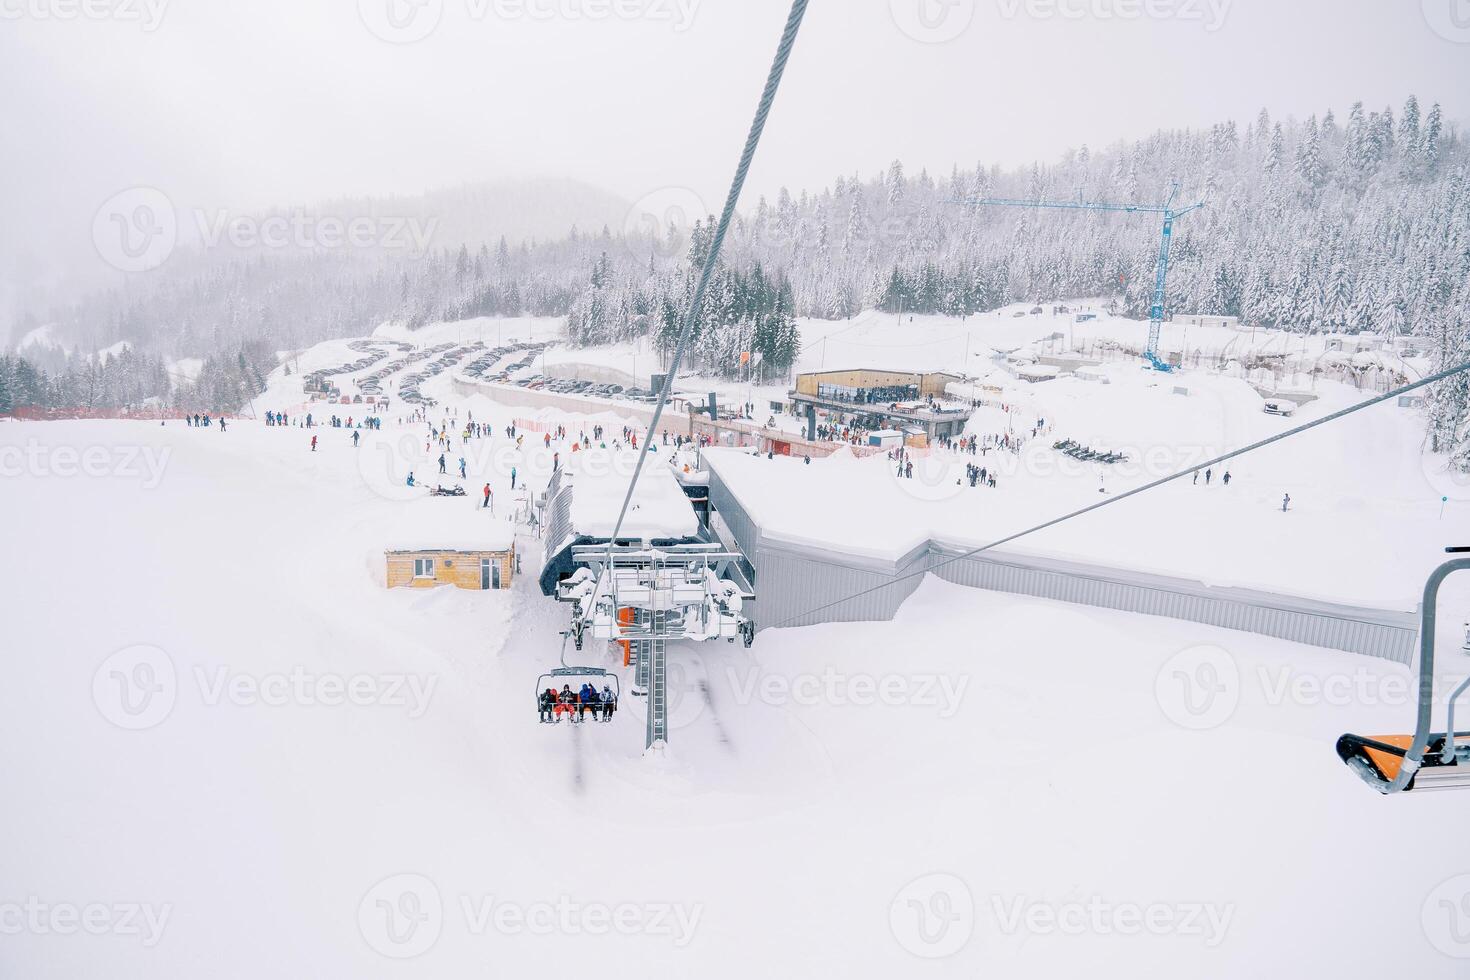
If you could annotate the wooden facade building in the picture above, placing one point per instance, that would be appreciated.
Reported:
(450, 542)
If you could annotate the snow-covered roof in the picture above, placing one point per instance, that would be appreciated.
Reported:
(659, 510)
(448, 524)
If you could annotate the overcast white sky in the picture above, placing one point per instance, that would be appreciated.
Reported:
(244, 103)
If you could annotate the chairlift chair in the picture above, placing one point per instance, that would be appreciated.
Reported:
(1424, 760)
(574, 677)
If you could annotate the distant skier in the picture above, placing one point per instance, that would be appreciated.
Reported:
(1196, 477)
(222, 423)
(1209, 475)
(512, 477)
(1285, 503)
(1226, 478)
(443, 469)
(488, 497)
(355, 437)
(410, 479)
(313, 443)
(462, 474)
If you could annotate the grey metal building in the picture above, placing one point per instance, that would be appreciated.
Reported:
(791, 579)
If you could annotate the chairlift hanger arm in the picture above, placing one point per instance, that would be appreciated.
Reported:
(1415, 755)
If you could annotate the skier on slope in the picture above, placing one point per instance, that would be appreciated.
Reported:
(410, 479)
(462, 474)
(442, 467)
(355, 437)
(313, 443)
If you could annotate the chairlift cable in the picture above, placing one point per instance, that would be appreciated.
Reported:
(747, 156)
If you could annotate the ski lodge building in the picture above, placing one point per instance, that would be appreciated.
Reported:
(906, 401)
(450, 542)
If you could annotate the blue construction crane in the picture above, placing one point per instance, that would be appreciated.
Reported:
(1170, 213)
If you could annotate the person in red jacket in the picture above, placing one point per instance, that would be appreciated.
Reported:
(488, 496)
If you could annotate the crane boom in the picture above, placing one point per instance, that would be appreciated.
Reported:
(1161, 277)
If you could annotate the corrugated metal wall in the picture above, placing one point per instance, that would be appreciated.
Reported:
(792, 579)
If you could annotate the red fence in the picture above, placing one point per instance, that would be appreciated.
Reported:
(36, 413)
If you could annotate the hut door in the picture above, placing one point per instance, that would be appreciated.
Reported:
(485, 573)
(495, 574)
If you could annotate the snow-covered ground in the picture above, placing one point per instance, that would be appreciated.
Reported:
(231, 752)
(1366, 520)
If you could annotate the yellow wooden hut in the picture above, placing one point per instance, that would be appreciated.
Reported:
(450, 542)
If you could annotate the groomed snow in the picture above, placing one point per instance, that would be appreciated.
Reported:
(1049, 758)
